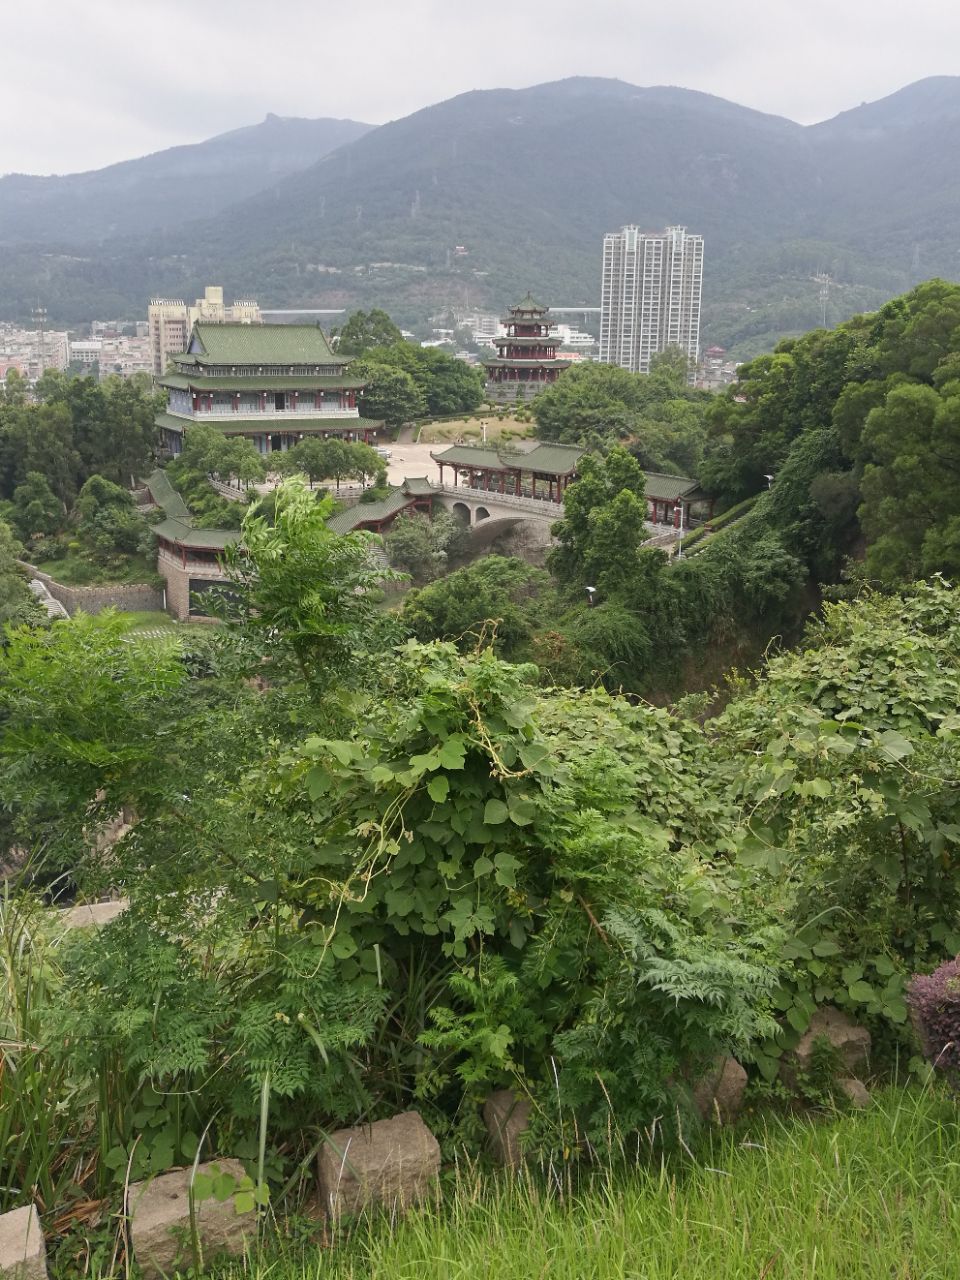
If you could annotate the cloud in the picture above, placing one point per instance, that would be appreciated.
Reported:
(111, 79)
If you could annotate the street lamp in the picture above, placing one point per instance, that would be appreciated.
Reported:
(769, 480)
(591, 592)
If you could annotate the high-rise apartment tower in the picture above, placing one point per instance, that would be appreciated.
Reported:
(650, 296)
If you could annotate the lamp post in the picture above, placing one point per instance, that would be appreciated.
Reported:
(679, 509)
(591, 592)
(769, 480)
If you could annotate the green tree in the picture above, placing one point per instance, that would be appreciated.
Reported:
(307, 594)
(17, 604)
(911, 483)
(365, 329)
(583, 545)
(495, 600)
(423, 546)
(37, 509)
(390, 394)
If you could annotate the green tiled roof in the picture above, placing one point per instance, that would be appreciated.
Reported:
(270, 426)
(376, 512)
(545, 459)
(184, 535)
(166, 496)
(666, 487)
(370, 512)
(259, 382)
(261, 344)
(178, 526)
(529, 303)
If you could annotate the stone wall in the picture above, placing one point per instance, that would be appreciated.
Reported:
(178, 584)
(135, 597)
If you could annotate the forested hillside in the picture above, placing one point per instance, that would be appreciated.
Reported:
(526, 182)
(164, 189)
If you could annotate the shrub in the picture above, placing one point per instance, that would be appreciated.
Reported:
(934, 1000)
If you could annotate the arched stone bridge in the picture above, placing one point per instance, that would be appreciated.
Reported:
(475, 506)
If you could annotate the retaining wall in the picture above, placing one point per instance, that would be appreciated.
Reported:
(134, 597)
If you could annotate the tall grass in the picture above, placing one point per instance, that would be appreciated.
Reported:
(45, 1114)
(848, 1197)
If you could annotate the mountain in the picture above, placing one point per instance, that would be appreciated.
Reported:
(163, 189)
(473, 201)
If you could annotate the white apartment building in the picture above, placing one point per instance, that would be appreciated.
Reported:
(170, 321)
(650, 296)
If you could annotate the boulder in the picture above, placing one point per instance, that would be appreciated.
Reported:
(22, 1252)
(506, 1117)
(390, 1162)
(719, 1094)
(160, 1227)
(92, 914)
(850, 1042)
(855, 1091)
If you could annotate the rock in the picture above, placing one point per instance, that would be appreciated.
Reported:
(855, 1092)
(506, 1117)
(850, 1042)
(719, 1095)
(391, 1162)
(160, 1228)
(22, 1252)
(92, 914)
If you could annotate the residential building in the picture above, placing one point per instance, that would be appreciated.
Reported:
(526, 359)
(272, 383)
(32, 351)
(170, 321)
(650, 296)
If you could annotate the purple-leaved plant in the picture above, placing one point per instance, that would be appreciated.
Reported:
(934, 1000)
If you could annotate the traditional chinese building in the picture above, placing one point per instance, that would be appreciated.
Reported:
(544, 472)
(415, 494)
(272, 383)
(526, 359)
(190, 560)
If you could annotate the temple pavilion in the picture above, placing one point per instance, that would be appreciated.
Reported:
(497, 470)
(272, 383)
(526, 359)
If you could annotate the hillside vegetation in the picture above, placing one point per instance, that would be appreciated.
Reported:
(527, 182)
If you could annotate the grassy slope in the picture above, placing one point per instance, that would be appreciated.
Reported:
(851, 1197)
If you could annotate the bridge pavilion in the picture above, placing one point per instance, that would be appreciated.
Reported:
(497, 470)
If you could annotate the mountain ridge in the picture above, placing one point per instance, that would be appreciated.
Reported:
(463, 202)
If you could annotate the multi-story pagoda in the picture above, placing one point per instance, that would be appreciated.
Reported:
(526, 359)
(272, 383)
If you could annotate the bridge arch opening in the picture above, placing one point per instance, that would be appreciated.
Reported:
(461, 512)
(482, 514)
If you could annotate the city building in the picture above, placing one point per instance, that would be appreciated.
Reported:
(32, 351)
(650, 296)
(526, 359)
(272, 383)
(170, 321)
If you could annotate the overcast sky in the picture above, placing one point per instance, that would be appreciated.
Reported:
(86, 82)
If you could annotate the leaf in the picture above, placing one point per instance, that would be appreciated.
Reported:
(494, 813)
(895, 1009)
(224, 1185)
(860, 992)
(202, 1186)
(482, 867)
(438, 788)
(507, 867)
(115, 1158)
(850, 973)
(816, 787)
(453, 753)
(895, 745)
(798, 1019)
(884, 966)
(522, 812)
(244, 1202)
(343, 945)
(826, 947)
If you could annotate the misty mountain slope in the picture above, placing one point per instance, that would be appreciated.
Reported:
(475, 200)
(163, 189)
